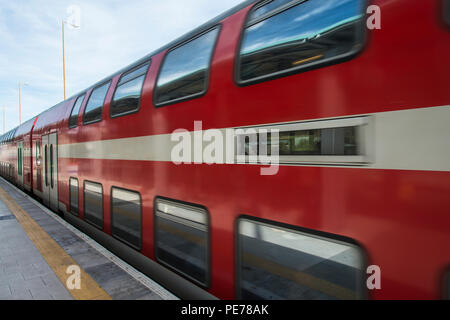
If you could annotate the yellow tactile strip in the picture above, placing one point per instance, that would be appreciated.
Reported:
(56, 257)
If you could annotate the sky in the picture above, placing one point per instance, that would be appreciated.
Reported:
(112, 34)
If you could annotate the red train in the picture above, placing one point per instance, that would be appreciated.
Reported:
(364, 160)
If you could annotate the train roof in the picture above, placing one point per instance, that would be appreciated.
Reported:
(25, 127)
(8, 136)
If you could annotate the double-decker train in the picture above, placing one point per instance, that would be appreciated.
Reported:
(359, 205)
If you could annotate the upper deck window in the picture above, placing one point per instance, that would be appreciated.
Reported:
(73, 120)
(93, 112)
(128, 93)
(184, 73)
(288, 36)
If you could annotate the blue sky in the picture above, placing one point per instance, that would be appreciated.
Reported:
(113, 34)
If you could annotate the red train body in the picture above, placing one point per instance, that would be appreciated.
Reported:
(395, 207)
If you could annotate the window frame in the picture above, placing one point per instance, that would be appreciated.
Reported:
(71, 111)
(365, 134)
(208, 70)
(70, 196)
(103, 205)
(207, 283)
(138, 248)
(362, 35)
(321, 235)
(142, 88)
(84, 122)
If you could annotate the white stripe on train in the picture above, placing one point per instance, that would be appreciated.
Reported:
(412, 139)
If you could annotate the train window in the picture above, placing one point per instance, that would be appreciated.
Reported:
(73, 193)
(346, 140)
(46, 166)
(281, 263)
(127, 96)
(93, 203)
(94, 107)
(126, 217)
(182, 239)
(446, 11)
(184, 73)
(73, 120)
(51, 166)
(38, 153)
(302, 34)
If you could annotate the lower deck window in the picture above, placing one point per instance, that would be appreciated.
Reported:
(279, 263)
(93, 203)
(74, 196)
(182, 239)
(126, 217)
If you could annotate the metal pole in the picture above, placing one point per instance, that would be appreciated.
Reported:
(64, 60)
(3, 119)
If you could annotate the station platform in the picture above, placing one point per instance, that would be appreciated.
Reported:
(42, 257)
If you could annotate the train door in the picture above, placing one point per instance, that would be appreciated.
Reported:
(50, 176)
(20, 164)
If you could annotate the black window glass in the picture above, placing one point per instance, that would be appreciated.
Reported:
(93, 204)
(278, 263)
(74, 196)
(94, 107)
(128, 93)
(182, 239)
(312, 32)
(46, 165)
(185, 69)
(126, 216)
(51, 166)
(73, 120)
(446, 11)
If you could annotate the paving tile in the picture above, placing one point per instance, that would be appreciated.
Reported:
(5, 292)
(7, 278)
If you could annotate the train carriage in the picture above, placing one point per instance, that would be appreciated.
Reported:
(363, 180)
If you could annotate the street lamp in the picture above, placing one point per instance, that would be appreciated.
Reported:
(20, 101)
(75, 26)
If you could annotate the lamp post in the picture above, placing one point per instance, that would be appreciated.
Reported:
(64, 52)
(20, 101)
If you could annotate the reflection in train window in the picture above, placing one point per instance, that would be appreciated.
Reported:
(184, 73)
(181, 233)
(266, 8)
(128, 92)
(328, 141)
(73, 120)
(73, 183)
(310, 33)
(126, 217)
(93, 203)
(280, 263)
(94, 107)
